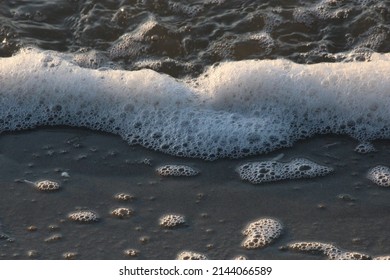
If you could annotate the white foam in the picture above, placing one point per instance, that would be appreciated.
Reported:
(269, 171)
(261, 233)
(232, 110)
(177, 170)
(380, 175)
(364, 148)
(327, 249)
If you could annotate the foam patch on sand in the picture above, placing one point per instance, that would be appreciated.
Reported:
(268, 171)
(233, 110)
(329, 250)
(261, 233)
(380, 175)
(189, 255)
(177, 170)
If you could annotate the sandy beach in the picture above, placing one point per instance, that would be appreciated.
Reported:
(343, 208)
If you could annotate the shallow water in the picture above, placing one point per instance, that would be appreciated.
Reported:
(214, 110)
(344, 208)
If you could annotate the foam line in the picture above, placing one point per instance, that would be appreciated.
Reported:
(232, 110)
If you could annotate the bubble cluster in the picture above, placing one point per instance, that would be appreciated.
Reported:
(54, 237)
(382, 258)
(131, 252)
(33, 254)
(124, 197)
(171, 220)
(84, 216)
(228, 111)
(189, 255)
(122, 212)
(70, 255)
(380, 175)
(364, 148)
(46, 185)
(329, 250)
(268, 171)
(240, 258)
(177, 170)
(261, 233)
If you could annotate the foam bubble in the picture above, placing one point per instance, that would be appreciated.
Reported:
(268, 171)
(351, 256)
(45, 185)
(32, 228)
(383, 258)
(124, 197)
(177, 170)
(364, 148)
(380, 175)
(171, 220)
(331, 251)
(70, 255)
(122, 212)
(233, 110)
(314, 247)
(240, 258)
(131, 253)
(189, 255)
(54, 237)
(33, 254)
(261, 233)
(84, 216)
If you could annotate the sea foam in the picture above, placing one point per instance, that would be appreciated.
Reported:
(233, 109)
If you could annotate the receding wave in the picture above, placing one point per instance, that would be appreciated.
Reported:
(232, 110)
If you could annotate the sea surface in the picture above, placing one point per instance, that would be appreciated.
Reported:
(281, 106)
(183, 37)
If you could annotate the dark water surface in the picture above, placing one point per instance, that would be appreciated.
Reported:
(344, 208)
(181, 37)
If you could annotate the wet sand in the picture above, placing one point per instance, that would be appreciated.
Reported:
(343, 208)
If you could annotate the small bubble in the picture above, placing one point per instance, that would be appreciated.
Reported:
(33, 254)
(54, 237)
(124, 197)
(144, 239)
(32, 228)
(321, 206)
(70, 255)
(131, 252)
(53, 227)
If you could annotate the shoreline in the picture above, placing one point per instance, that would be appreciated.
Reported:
(216, 203)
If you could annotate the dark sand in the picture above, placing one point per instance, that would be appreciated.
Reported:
(217, 204)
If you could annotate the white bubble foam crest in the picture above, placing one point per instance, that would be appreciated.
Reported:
(232, 110)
